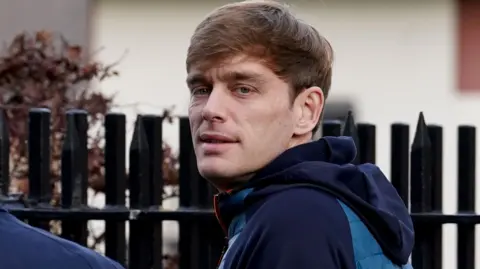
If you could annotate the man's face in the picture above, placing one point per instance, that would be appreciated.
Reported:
(240, 117)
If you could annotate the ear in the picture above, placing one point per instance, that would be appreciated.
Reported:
(309, 106)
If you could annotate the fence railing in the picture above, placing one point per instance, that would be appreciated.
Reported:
(416, 172)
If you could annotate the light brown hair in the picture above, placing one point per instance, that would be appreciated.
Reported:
(269, 31)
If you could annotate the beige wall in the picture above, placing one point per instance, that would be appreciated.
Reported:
(70, 17)
(393, 59)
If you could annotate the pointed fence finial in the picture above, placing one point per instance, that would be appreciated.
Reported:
(350, 129)
(421, 169)
(139, 166)
(140, 187)
(421, 138)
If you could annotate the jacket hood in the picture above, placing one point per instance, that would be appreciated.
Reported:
(326, 164)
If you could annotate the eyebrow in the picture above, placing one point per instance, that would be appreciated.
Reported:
(195, 78)
(241, 75)
(198, 78)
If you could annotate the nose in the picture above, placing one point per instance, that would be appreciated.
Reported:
(214, 109)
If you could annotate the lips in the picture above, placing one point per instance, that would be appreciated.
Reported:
(216, 138)
(213, 141)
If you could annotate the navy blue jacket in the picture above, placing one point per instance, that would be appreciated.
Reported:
(26, 247)
(292, 214)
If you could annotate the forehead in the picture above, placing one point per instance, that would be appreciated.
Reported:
(234, 68)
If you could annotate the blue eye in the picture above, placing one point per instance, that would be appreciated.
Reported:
(201, 91)
(243, 90)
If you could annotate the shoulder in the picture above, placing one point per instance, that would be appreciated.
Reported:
(40, 247)
(307, 228)
(300, 207)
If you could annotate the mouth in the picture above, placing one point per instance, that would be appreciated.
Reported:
(212, 141)
(212, 138)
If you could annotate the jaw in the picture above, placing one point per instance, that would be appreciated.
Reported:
(223, 173)
(299, 140)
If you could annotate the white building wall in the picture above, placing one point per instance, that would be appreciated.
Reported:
(393, 60)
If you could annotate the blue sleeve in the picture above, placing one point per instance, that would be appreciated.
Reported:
(55, 252)
(106, 263)
(298, 228)
(95, 260)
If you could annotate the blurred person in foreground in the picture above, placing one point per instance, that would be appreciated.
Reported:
(259, 78)
(25, 247)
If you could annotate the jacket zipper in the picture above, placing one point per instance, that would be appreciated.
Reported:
(224, 250)
(225, 230)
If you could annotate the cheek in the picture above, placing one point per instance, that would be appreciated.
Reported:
(272, 120)
(194, 116)
(281, 112)
(193, 105)
(283, 122)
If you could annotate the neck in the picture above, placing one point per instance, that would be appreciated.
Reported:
(226, 185)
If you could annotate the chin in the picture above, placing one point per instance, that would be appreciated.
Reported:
(223, 176)
(211, 172)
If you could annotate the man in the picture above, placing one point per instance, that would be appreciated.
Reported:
(259, 78)
(23, 247)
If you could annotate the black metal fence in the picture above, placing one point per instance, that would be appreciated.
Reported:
(416, 172)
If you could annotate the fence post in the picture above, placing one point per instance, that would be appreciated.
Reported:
(115, 184)
(331, 128)
(40, 187)
(4, 155)
(399, 160)
(420, 193)
(153, 128)
(140, 242)
(367, 142)
(210, 235)
(436, 138)
(74, 176)
(80, 117)
(466, 195)
(192, 257)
